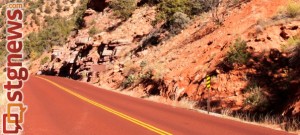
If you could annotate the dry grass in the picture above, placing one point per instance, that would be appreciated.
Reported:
(291, 10)
(291, 125)
(271, 121)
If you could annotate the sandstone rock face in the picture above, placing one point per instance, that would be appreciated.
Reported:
(98, 5)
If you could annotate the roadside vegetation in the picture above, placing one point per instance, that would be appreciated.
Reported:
(2, 53)
(291, 10)
(238, 52)
(55, 32)
(123, 8)
(277, 121)
(295, 50)
(93, 31)
(44, 60)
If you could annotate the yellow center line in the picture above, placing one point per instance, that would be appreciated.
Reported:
(122, 115)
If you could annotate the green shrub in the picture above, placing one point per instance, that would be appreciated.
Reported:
(168, 8)
(78, 14)
(293, 41)
(295, 51)
(93, 31)
(238, 52)
(129, 81)
(3, 52)
(123, 8)
(143, 64)
(253, 86)
(293, 9)
(178, 22)
(197, 7)
(257, 100)
(2, 34)
(44, 60)
(55, 32)
(1, 21)
(146, 76)
(3, 11)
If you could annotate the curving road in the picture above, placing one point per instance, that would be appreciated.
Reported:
(60, 106)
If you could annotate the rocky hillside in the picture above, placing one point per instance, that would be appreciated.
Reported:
(250, 48)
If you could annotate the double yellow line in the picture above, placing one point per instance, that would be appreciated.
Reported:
(122, 115)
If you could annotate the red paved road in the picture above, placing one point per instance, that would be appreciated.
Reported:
(55, 112)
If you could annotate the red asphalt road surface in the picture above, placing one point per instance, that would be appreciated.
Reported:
(52, 111)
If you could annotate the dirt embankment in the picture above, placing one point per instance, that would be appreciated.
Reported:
(134, 55)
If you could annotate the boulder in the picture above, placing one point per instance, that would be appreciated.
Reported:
(84, 41)
(119, 42)
(107, 52)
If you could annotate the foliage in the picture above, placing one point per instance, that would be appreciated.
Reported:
(3, 33)
(238, 52)
(3, 11)
(143, 64)
(293, 9)
(146, 76)
(1, 21)
(252, 87)
(168, 8)
(177, 13)
(178, 22)
(78, 13)
(33, 6)
(198, 7)
(55, 33)
(294, 41)
(295, 51)
(128, 81)
(3, 53)
(257, 99)
(44, 60)
(93, 31)
(123, 8)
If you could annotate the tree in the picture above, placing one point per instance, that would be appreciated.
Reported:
(123, 8)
